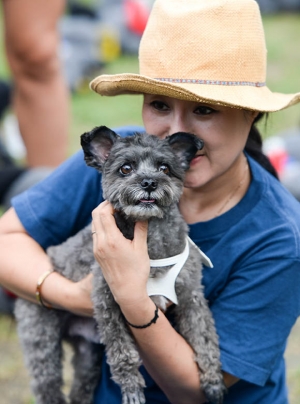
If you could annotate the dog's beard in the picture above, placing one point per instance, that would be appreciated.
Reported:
(143, 211)
(139, 204)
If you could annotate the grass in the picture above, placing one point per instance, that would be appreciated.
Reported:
(283, 75)
(89, 109)
(292, 357)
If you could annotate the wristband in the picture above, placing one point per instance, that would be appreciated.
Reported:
(153, 321)
(38, 291)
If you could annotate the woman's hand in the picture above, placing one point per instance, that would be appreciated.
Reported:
(125, 263)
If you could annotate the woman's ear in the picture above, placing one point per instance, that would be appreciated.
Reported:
(251, 115)
(254, 114)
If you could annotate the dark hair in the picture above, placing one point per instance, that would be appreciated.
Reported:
(254, 147)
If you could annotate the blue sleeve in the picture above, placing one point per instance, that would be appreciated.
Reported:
(254, 315)
(61, 205)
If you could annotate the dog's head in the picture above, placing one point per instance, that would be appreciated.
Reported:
(142, 176)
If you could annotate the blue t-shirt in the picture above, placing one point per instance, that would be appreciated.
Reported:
(253, 289)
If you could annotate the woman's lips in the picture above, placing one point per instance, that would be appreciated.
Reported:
(196, 159)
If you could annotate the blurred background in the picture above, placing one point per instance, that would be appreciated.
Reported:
(102, 36)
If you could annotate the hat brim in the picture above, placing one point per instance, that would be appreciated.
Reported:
(235, 96)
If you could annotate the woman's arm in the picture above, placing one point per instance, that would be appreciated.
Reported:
(170, 360)
(23, 261)
(125, 265)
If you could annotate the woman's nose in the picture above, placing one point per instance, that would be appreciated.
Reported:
(179, 127)
(180, 119)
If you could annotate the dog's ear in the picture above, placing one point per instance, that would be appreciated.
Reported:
(185, 145)
(97, 145)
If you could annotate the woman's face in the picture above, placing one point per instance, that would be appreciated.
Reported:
(224, 131)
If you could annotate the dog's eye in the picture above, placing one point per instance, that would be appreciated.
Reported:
(126, 169)
(164, 168)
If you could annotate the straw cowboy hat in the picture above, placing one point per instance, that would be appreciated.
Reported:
(209, 51)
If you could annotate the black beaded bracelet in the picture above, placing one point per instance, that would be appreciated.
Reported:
(153, 321)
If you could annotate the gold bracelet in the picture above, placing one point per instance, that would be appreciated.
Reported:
(38, 291)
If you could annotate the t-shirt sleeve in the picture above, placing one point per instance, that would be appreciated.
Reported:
(254, 314)
(61, 205)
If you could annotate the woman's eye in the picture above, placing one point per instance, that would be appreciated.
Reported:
(203, 110)
(126, 169)
(159, 105)
(164, 168)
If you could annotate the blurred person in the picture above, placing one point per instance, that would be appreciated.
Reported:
(32, 48)
(41, 99)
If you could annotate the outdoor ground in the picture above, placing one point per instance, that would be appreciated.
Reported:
(14, 381)
(89, 110)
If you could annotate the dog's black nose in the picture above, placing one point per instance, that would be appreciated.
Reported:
(149, 184)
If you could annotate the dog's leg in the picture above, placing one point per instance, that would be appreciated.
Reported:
(124, 361)
(196, 325)
(87, 370)
(122, 355)
(40, 337)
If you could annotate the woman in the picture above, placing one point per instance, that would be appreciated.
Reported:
(239, 214)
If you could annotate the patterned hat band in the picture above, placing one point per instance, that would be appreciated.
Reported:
(213, 82)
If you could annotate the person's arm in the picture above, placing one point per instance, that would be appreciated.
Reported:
(168, 358)
(125, 265)
(23, 261)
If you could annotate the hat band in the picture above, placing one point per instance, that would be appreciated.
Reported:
(214, 82)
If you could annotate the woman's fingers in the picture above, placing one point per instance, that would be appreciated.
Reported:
(98, 213)
(140, 234)
(104, 224)
(124, 263)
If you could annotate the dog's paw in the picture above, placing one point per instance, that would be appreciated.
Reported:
(137, 397)
(214, 390)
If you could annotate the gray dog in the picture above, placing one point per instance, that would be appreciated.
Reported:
(142, 177)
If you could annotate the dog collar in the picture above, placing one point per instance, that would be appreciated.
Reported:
(165, 285)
